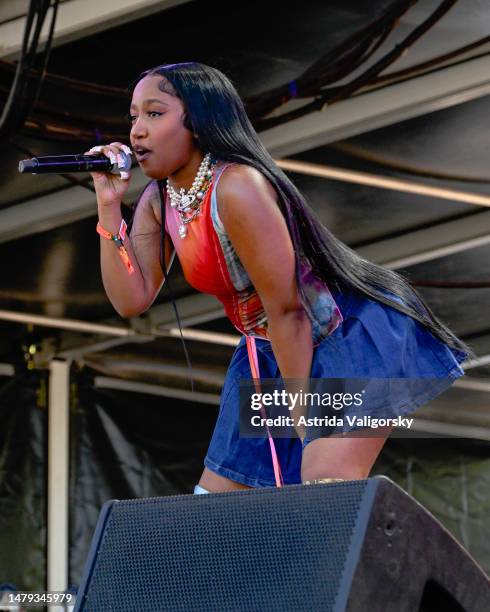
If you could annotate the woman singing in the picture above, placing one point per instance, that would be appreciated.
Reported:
(307, 305)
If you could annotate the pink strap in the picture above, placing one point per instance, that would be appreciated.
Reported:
(254, 367)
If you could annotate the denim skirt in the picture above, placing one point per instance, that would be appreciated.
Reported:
(374, 340)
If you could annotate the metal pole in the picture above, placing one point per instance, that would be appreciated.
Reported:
(383, 182)
(58, 469)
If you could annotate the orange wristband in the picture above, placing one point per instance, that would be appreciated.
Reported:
(118, 240)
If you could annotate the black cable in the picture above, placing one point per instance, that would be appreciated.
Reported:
(161, 190)
(332, 66)
(71, 83)
(107, 90)
(116, 130)
(5, 119)
(378, 83)
(40, 11)
(396, 52)
(364, 78)
(435, 60)
(351, 150)
(47, 52)
(13, 117)
(57, 131)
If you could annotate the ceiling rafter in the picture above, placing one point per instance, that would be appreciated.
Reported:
(76, 19)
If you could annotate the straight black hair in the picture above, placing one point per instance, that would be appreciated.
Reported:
(216, 114)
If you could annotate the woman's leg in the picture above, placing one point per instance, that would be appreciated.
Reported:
(349, 458)
(214, 483)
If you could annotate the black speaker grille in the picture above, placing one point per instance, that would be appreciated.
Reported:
(264, 549)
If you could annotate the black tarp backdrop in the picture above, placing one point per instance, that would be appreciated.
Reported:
(450, 477)
(127, 445)
(23, 462)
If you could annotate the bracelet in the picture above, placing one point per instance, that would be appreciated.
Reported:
(323, 480)
(118, 239)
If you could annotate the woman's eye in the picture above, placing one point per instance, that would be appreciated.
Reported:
(132, 118)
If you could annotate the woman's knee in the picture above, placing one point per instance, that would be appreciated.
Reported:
(211, 482)
(346, 458)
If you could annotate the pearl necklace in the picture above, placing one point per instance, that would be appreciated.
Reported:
(188, 204)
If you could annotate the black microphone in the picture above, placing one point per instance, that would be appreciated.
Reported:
(59, 164)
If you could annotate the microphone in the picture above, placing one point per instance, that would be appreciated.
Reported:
(59, 164)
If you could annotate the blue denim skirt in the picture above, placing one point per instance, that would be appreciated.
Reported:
(374, 340)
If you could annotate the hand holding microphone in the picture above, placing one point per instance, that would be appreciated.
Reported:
(86, 162)
(110, 188)
(119, 156)
(109, 165)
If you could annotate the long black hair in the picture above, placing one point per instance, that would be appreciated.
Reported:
(216, 115)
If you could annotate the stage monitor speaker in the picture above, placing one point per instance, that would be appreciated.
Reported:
(357, 546)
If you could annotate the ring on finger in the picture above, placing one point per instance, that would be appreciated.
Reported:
(96, 149)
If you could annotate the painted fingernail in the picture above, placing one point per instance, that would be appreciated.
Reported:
(126, 149)
(120, 161)
(125, 175)
(112, 157)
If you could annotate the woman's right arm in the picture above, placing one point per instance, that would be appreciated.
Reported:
(130, 294)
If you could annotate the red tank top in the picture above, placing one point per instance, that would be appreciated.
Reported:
(211, 265)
